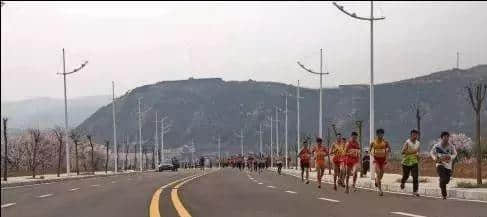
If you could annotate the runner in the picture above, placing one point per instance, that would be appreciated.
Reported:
(338, 151)
(379, 149)
(410, 151)
(304, 160)
(256, 163)
(352, 151)
(279, 164)
(320, 153)
(444, 153)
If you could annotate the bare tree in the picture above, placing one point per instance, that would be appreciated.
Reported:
(59, 134)
(90, 140)
(476, 94)
(33, 150)
(5, 157)
(76, 137)
(107, 146)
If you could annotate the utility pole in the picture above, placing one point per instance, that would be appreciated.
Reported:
(192, 152)
(140, 136)
(68, 169)
(241, 140)
(114, 128)
(5, 157)
(277, 132)
(260, 138)
(320, 133)
(371, 19)
(298, 97)
(156, 138)
(458, 60)
(219, 153)
(359, 126)
(285, 138)
(164, 129)
(271, 148)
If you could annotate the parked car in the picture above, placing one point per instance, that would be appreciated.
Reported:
(165, 166)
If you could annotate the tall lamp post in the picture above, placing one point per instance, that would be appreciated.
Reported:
(68, 169)
(371, 19)
(320, 134)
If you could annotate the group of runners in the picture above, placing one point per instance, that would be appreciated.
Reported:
(255, 163)
(346, 160)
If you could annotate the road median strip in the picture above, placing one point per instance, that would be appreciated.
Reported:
(178, 205)
(154, 205)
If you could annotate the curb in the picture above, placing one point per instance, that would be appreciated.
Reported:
(37, 182)
(429, 192)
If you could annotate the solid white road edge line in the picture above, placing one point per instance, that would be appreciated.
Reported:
(407, 214)
(7, 205)
(45, 195)
(402, 193)
(327, 199)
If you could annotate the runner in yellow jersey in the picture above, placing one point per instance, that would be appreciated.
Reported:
(338, 151)
(379, 148)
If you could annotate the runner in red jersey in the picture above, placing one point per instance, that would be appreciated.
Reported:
(304, 156)
(320, 152)
(352, 157)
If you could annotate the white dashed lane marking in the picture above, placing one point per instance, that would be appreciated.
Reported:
(95, 185)
(270, 186)
(260, 183)
(291, 192)
(74, 189)
(7, 205)
(114, 182)
(407, 214)
(45, 195)
(327, 199)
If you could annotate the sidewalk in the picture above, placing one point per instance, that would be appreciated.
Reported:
(49, 178)
(390, 184)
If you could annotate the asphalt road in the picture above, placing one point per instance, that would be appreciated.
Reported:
(225, 192)
(114, 196)
(233, 193)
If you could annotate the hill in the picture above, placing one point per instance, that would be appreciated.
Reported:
(48, 112)
(200, 109)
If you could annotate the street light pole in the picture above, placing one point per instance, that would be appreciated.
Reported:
(114, 128)
(320, 133)
(68, 168)
(277, 132)
(285, 138)
(298, 97)
(371, 19)
(140, 136)
(164, 130)
(156, 138)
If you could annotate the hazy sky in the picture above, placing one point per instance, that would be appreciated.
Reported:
(146, 42)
